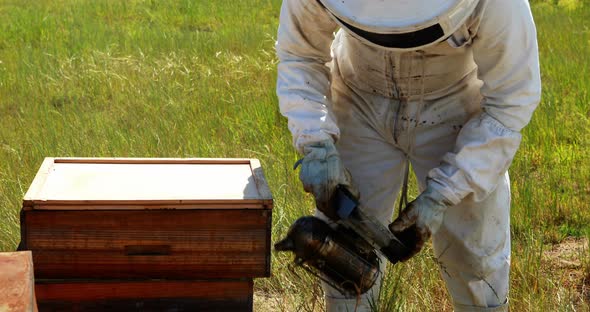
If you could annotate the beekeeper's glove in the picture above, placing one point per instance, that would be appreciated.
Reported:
(420, 220)
(321, 171)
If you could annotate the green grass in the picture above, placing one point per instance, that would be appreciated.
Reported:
(196, 79)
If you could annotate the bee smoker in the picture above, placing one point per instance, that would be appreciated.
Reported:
(345, 256)
(351, 268)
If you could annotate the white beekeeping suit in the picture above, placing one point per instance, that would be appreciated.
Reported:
(444, 85)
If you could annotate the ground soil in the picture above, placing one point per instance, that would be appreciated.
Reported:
(569, 260)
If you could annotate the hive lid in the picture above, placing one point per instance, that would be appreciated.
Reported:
(140, 183)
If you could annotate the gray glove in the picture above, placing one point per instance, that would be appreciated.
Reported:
(420, 220)
(321, 172)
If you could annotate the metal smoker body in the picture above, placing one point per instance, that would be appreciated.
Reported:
(344, 256)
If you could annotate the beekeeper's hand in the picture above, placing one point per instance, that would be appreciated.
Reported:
(420, 220)
(321, 172)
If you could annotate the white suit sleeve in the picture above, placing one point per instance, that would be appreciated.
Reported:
(303, 49)
(505, 51)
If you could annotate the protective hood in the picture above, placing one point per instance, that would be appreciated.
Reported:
(401, 24)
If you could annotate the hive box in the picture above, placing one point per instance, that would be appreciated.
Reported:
(17, 293)
(179, 219)
(147, 234)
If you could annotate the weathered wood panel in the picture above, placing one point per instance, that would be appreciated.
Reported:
(17, 293)
(211, 295)
(172, 244)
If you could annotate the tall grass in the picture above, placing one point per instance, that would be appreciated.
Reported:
(196, 79)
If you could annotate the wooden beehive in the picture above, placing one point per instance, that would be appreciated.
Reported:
(17, 292)
(202, 221)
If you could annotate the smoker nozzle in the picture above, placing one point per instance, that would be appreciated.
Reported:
(285, 244)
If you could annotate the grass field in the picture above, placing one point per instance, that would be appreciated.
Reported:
(196, 79)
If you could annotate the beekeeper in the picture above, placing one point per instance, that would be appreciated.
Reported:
(445, 86)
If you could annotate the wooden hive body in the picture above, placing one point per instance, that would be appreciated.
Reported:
(129, 219)
(152, 295)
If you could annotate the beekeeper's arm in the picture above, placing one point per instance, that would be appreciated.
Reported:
(303, 48)
(505, 50)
